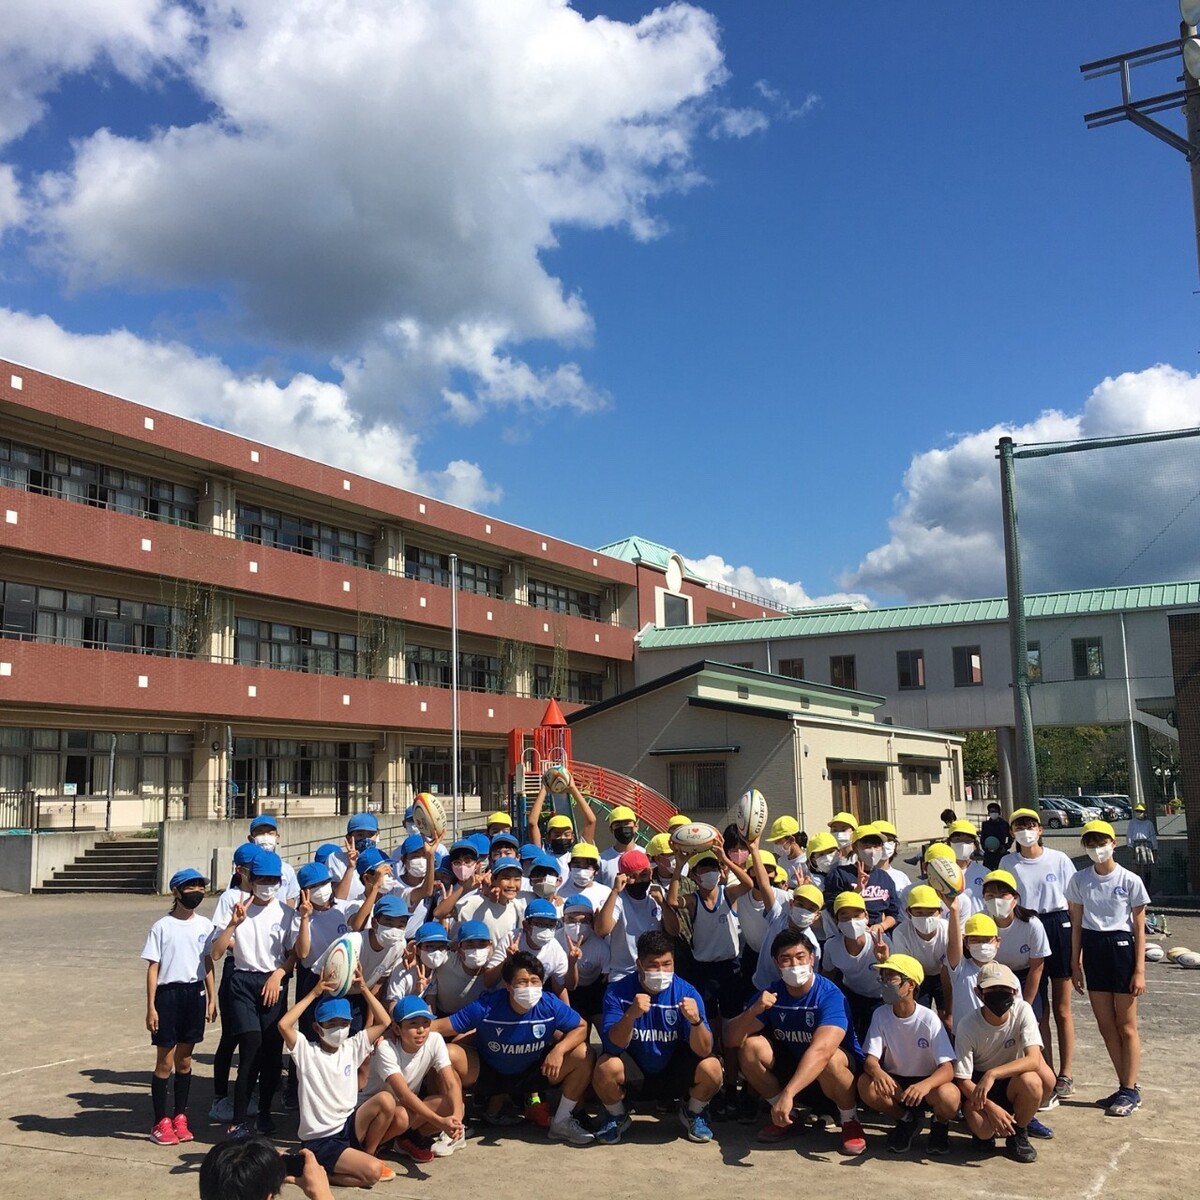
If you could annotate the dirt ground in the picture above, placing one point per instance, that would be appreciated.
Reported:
(75, 1105)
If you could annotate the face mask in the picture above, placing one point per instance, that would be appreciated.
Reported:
(545, 886)
(800, 918)
(389, 935)
(363, 843)
(1026, 837)
(435, 958)
(657, 981)
(824, 861)
(624, 836)
(582, 876)
(525, 998)
(417, 868)
(577, 931)
(1100, 854)
(463, 871)
(190, 900)
(265, 892)
(386, 883)
(475, 957)
(983, 953)
(539, 936)
(561, 846)
(962, 850)
(924, 924)
(853, 929)
(870, 856)
(638, 890)
(268, 841)
(843, 837)
(998, 1000)
(321, 895)
(999, 906)
(889, 850)
(334, 1037)
(739, 857)
(796, 976)
(707, 880)
(892, 993)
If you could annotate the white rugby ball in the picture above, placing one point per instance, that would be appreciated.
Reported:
(1189, 959)
(429, 816)
(339, 962)
(1175, 951)
(694, 836)
(558, 779)
(945, 877)
(1154, 952)
(751, 815)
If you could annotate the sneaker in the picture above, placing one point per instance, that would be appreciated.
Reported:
(182, 1132)
(854, 1140)
(723, 1105)
(164, 1133)
(900, 1136)
(221, 1112)
(266, 1124)
(1050, 1102)
(696, 1125)
(939, 1138)
(537, 1112)
(386, 1174)
(983, 1144)
(502, 1118)
(1106, 1101)
(1064, 1086)
(1125, 1103)
(413, 1146)
(771, 1133)
(1019, 1147)
(1038, 1130)
(611, 1131)
(444, 1145)
(244, 1130)
(570, 1130)
(291, 1099)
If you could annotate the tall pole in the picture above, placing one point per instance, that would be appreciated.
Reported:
(1025, 783)
(1191, 108)
(454, 730)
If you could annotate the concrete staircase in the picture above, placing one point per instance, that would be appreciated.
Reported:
(123, 865)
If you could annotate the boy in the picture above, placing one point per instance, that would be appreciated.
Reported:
(264, 833)
(459, 980)
(848, 958)
(622, 825)
(923, 936)
(362, 832)
(498, 902)
(581, 880)
(629, 910)
(537, 937)
(588, 957)
(789, 844)
(863, 874)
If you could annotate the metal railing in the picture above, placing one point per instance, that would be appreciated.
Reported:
(29, 812)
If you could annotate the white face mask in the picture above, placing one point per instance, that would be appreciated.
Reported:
(475, 957)
(388, 935)
(334, 1037)
(889, 850)
(962, 850)
(707, 880)
(999, 906)
(984, 953)
(924, 924)
(463, 871)
(321, 894)
(435, 958)
(577, 931)
(853, 929)
(268, 841)
(386, 883)
(870, 856)
(539, 936)
(544, 885)
(796, 976)
(582, 876)
(266, 892)
(524, 998)
(1100, 854)
(657, 981)
(417, 868)
(844, 837)
(1026, 837)
(824, 861)
(800, 918)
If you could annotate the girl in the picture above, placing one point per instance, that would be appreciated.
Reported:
(964, 841)
(822, 850)
(968, 946)
(180, 996)
(1023, 944)
(1042, 876)
(1107, 904)
(848, 959)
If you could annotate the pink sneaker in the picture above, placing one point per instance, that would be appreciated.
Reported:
(182, 1132)
(164, 1133)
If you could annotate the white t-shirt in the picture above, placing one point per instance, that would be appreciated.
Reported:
(262, 941)
(974, 874)
(902, 882)
(962, 985)
(752, 914)
(595, 956)
(1042, 880)
(328, 1084)
(453, 986)
(1108, 900)
(552, 957)
(179, 948)
(502, 920)
(325, 926)
(607, 874)
(857, 975)
(980, 1046)
(930, 954)
(1021, 941)
(404, 981)
(633, 918)
(765, 970)
(390, 1058)
(595, 891)
(914, 1046)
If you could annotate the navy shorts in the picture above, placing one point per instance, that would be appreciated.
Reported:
(1057, 925)
(673, 1082)
(588, 999)
(246, 1012)
(721, 986)
(1108, 960)
(181, 1011)
(518, 1086)
(784, 1066)
(327, 1150)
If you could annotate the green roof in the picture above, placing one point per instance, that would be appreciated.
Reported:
(1136, 598)
(642, 550)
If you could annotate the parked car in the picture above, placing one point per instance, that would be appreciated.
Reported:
(1112, 805)
(1053, 817)
(1080, 812)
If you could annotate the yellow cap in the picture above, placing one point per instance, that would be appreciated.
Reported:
(677, 820)
(769, 860)
(783, 827)
(498, 818)
(868, 831)
(843, 818)
(559, 821)
(621, 813)
(922, 896)
(811, 893)
(1004, 877)
(659, 844)
(849, 900)
(1098, 827)
(820, 843)
(886, 827)
(980, 925)
(902, 964)
(703, 856)
(963, 827)
(1031, 813)
(940, 850)
(777, 875)
(585, 850)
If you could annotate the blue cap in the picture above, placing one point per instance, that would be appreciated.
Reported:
(312, 875)
(580, 903)
(187, 875)
(545, 862)
(481, 842)
(363, 822)
(265, 864)
(529, 850)
(505, 863)
(503, 839)
(244, 854)
(331, 1008)
(463, 845)
(391, 905)
(263, 821)
(540, 908)
(473, 931)
(410, 1006)
(369, 859)
(413, 844)
(431, 931)
(324, 851)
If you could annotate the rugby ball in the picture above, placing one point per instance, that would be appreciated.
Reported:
(751, 815)
(558, 779)
(945, 877)
(1154, 952)
(429, 816)
(1189, 959)
(694, 836)
(339, 962)
(1175, 951)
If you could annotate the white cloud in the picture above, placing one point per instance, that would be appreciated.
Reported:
(12, 207)
(301, 414)
(785, 110)
(737, 122)
(788, 595)
(1086, 520)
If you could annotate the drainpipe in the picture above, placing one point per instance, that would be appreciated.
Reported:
(112, 770)
(798, 767)
(1135, 767)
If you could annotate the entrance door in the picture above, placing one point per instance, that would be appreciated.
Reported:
(859, 790)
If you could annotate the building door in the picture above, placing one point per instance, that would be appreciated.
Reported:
(861, 791)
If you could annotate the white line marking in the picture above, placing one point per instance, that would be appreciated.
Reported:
(1095, 1190)
(62, 1062)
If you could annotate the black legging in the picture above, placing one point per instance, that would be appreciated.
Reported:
(260, 1056)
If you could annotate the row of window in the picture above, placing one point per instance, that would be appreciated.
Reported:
(297, 648)
(282, 531)
(430, 667)
(555, 597)
(433, 567)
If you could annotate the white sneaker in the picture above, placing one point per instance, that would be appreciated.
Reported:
(221, 1112)
(444, 1145)
(1049, 1104)
(571, 1131)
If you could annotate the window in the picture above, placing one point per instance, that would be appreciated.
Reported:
(793, 668)
(559, 598)
(699, 785)
(910, 669)
(918, 780)
(582, 687)
(1088, 656)
(1033, 661)
(295, 648)
(968, 666)
(677, 610)
(481, 772)
(429, 666)
(283, 531)
(842, 673)
(279, 767)
(433, 567)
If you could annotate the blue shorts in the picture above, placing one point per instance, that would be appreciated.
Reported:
(181, 1011)
(1057, 925)
(1108, 960)
(245, 1012)
(327, 1150)
(721, 986)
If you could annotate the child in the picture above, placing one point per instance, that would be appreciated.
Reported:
(1023, 944)
(823, 856)
(1107, 904)
(264, 833)
(582, 871)
(629, 910)
(969, 947)
(343, 1138)
(459, 980)
(964, 841)
(497, 902)
(923, 936)
(848, 958)
(180, 996)
(588, 954)
(545, 877)
(537, 937)
(789, 842)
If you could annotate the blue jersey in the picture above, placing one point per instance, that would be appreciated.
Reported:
(509, 1041)
(656, 1034)
(792, 1020)
(879, 893)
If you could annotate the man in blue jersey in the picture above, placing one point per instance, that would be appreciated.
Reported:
(797, 1048)
(655, 1039)
(525, 1040)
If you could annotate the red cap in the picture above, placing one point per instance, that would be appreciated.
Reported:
(633, 861)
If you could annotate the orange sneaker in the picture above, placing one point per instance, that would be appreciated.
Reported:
(180, 1125)
(386, 1175)
(164, 1133)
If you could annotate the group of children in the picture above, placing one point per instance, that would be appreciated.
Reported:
(812, 980)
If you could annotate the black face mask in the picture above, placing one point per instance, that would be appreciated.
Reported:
(561, 845)
(998, 1000)
(638, 890)
(624, 836)
(191, 900)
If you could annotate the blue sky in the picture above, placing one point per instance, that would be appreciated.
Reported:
(757, 280)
